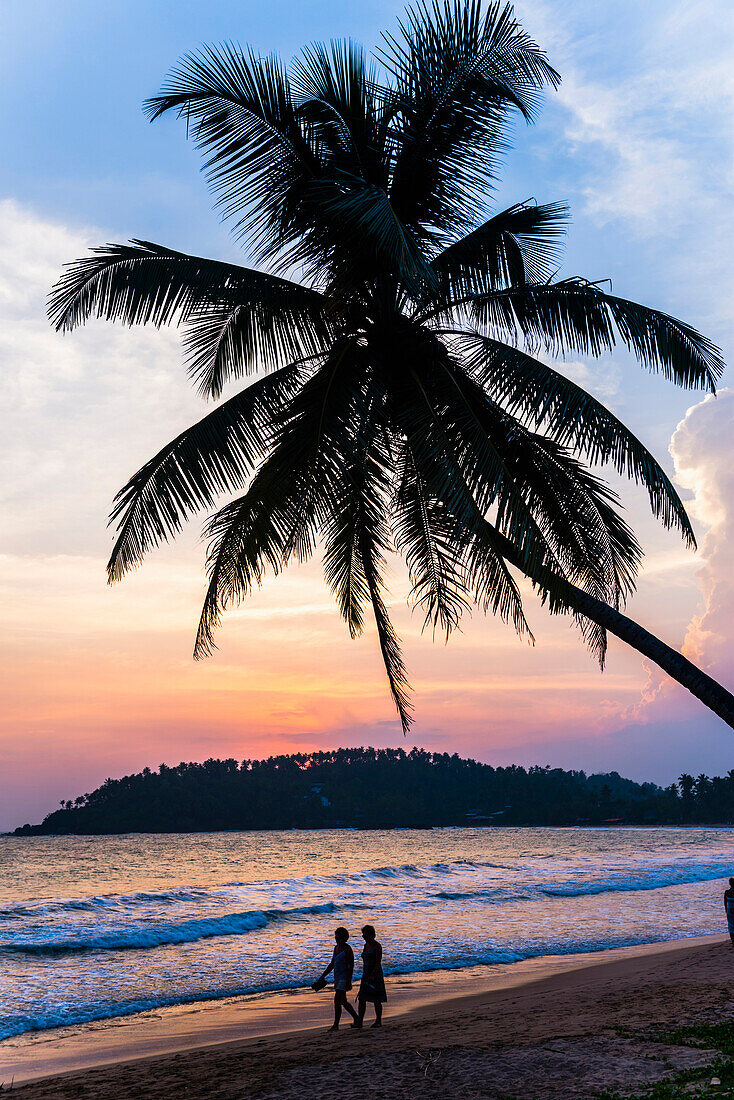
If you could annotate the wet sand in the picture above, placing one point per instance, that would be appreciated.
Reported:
(542, 1028)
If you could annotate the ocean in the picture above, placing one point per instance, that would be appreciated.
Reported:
(100, 927)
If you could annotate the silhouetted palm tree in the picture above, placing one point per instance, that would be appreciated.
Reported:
(401, 404)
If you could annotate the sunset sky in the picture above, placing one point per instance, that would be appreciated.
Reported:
(100, 681)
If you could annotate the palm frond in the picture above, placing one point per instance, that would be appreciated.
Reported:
(392, 657)
(491, 583)
(514, 247)
(240, 110)
(547, 400)
(287, 502)
(455, 72)
(228, 340)
(588, 543)
(573, 315)
(358, 236)
(439, 458)
(576, 513)
(343, 567)
(433, 546)
(559, 518)
(573, 522)
(246, 537)
(444, 385)
(360, 471)
(374, 545)
(140, 283)
(236, 319)
(357, 541)
(337, 91)
(569, 505)
(214, 456)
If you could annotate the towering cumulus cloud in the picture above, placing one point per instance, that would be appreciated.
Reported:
(702, 448)
(703, 451)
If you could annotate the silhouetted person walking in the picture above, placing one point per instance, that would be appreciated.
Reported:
(342, 963)
(372, 986)
(729, 906)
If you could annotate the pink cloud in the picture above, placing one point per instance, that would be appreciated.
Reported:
(702, 448)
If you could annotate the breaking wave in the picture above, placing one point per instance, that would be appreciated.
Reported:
(233, 924)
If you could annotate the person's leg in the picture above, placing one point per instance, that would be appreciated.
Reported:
(338, 1001)
(378, 1014)
(348, 1007)
(362, 1006)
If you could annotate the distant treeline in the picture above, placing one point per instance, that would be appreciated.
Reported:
(380, 788)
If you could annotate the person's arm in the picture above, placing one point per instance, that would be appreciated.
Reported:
(330, 967)
(350, 965)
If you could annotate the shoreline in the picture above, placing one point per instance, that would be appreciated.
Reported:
(617, 825)
(223, 1028)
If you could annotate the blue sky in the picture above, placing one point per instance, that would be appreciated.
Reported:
(638, 141)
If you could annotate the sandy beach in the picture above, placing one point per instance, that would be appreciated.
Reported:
(552, 1027)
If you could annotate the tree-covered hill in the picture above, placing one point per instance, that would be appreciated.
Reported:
(379, 788)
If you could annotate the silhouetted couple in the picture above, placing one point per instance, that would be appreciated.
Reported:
(729, 906)
(372, 985)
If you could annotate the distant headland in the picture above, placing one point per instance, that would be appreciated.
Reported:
(379, 788)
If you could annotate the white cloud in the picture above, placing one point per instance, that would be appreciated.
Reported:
(77, 411)
(648, 93)
(703, 451)
(655, 102)
(702, 448)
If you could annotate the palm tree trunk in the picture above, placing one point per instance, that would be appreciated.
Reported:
(711, 693)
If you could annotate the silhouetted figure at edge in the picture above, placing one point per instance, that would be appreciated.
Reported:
(372, 986)
(342, 963)
(729, 906)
